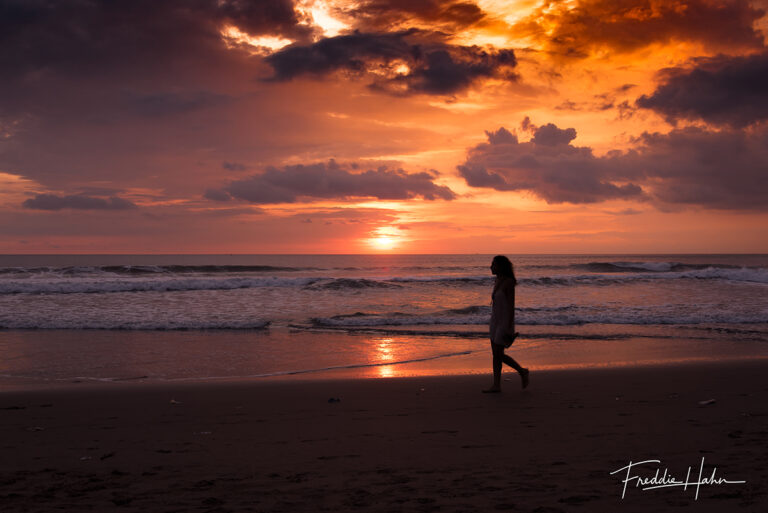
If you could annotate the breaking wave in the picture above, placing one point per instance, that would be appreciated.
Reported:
(568, 315)
(186, 278)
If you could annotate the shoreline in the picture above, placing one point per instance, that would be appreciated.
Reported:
(412, 444)
(40, 360)
(338, 375)
(353, 373)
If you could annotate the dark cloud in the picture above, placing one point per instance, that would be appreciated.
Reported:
(100, 60)
(723, 169)
(331, 181)
(601, 101)
(548, 166)
(722, 90)
(405, 62)
(629, 25)
(217, 195)
(277, 17)
(233, 166)
(77, 202)
(626, 212)
(715, 169)
(113, 92)
(550, 135)
(392, 15)
(74, 37)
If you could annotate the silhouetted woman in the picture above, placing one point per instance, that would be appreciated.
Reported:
(502, 328)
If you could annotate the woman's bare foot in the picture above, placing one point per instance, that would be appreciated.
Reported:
(524, 377)
(492, 390)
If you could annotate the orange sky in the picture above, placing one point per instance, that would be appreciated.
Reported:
(574, 126)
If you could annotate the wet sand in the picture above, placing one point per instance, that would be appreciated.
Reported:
(406, 444)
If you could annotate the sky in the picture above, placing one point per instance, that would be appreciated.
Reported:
(383, 126)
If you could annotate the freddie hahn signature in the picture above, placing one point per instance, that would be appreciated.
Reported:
(666, 480)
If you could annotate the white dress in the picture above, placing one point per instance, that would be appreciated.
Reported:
(503, 313)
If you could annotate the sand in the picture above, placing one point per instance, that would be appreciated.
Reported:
(406, 444)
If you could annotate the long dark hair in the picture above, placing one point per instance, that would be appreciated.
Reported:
(505, 268)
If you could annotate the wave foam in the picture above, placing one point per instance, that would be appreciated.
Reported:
(148, 280)
(568, 315)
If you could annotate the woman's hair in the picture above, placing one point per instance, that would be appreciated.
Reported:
(504, 267)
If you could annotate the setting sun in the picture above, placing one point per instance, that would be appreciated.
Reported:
(382, 242)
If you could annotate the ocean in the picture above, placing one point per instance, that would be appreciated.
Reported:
(147, 317)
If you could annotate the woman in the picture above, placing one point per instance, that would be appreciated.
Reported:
(502, 328)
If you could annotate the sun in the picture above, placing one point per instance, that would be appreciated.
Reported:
(382, 242)
(385, 238)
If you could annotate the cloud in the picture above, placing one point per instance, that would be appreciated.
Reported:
(141, 57)
(118, 92)
(393, 15)
(77, 202)
(728, 90)
(299, 183)
(686, 167)
(623, 212)
(217, 195)
(715, 169)
(601, 101)
(548, 166)
(550, 135)
(233, 166)
(629, 25)
(87, 37)
(405, 62)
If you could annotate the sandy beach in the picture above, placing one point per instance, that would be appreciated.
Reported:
(406, 444)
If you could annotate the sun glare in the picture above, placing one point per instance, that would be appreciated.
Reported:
(320, 14)
(382, 242)
(331, 26)
(233, 36)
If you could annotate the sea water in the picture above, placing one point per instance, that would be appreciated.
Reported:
(254, 315)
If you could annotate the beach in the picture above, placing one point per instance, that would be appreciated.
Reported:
(429, 443)
(352, 382)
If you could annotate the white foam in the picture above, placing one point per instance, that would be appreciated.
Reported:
(143, 284)
(650, 266)
(562, 316)
(46, 283)
(743, 274)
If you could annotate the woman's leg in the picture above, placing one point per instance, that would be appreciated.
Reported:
(511, 362)
(498, 354)
(498, 358)
(519, 368)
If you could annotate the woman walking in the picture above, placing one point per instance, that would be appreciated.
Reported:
(502, 328)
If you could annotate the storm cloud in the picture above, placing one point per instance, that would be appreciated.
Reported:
(306, 183)
(687, 167)
(393, 15)
(405, 62)
(629, 25)
(77, 202)
(724, 90)
(72, 37)
(75, 38)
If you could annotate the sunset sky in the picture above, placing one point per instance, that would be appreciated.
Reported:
(409, 126)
